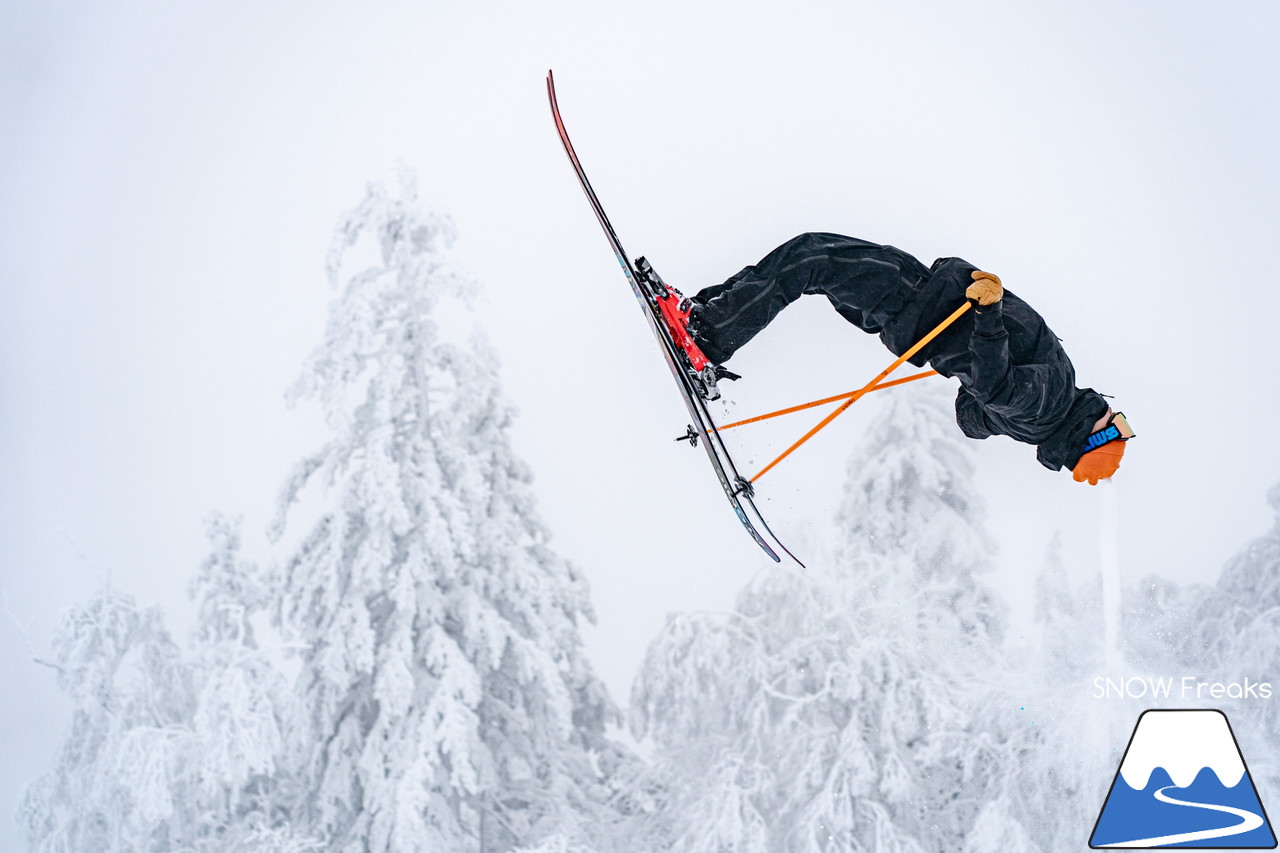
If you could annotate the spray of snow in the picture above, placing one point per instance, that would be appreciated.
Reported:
(1109, 565)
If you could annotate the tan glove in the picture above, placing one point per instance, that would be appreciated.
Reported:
(986, 288)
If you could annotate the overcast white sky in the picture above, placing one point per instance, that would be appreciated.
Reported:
(170, 175)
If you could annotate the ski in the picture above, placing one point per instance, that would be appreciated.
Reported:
(696, 386)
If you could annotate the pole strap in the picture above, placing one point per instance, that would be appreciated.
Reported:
(870, 386)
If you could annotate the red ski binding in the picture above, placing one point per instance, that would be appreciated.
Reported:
(677, 323)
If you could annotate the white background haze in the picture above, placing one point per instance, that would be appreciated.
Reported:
(170, 175)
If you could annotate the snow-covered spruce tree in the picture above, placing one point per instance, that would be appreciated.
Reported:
(117, 781)
(1235, 634)
(168, 752)
(916, 541)
(1056, 736)
(1069, 644)
(841, 708)
(1238, 619)
(243, 706)
(447, 702)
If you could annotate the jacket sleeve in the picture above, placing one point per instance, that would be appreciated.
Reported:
(969, 416)
(1017, 392)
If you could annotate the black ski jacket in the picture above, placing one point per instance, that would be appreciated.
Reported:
(1015, 377)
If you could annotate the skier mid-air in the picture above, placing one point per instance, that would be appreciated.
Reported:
(1015, 378)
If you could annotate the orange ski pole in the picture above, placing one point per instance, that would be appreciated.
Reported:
(853, 398)
(846, 395)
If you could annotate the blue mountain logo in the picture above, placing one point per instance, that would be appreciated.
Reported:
(1183, 783)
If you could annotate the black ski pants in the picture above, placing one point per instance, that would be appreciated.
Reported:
(870, 285)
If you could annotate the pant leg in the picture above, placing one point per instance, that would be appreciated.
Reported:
(868, 284)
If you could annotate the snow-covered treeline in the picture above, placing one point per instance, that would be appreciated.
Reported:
(875, 702)
(405, 672)
(437, 696)
(171, 751)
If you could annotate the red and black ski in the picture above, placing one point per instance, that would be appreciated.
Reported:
(696, 382)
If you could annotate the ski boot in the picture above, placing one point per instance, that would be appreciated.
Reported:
(674, 309)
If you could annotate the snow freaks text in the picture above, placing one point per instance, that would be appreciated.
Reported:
(1186, 687)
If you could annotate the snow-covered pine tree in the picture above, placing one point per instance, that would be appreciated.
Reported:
(116, 785)
(243, 707)
(916, 539)
(167, 753)
(840, 708)
(1238, 620)
(1234, 632)
(447, 701)
(1070, 621)
(1055, 736)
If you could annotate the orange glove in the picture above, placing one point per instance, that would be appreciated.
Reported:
(1099, 464)
(986, 288)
